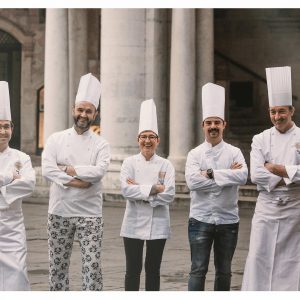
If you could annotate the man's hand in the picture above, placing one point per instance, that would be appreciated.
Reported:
(204, 173)
(16, 175)
(278, 170)
(71, 171)
(68, 170)
(235, 166)
(157, 188)
(131, 181)
(269, 166)
(77, 183)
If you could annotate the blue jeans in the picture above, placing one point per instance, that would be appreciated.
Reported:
(201, 237)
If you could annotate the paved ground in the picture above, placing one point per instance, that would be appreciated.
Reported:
(176, 259)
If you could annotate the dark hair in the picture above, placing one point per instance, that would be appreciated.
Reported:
(11, 124)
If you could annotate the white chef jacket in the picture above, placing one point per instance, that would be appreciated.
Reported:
(89, 154)
(13, 250)
(215, 201)
(273, 261)
(147, 216)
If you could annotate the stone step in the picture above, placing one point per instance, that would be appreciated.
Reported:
(248, 190)
(247, 194)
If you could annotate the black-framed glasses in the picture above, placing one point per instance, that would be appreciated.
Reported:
(144, 137)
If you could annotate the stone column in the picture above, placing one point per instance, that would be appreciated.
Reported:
(122, 77)
(204, 61)
(123, 86)
(78, 58)
(158, 30)
(56, 72)
(182, 93)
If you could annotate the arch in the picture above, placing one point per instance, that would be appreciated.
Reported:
(10, 71)
(16, 31)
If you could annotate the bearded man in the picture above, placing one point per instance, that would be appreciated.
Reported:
(74, 161)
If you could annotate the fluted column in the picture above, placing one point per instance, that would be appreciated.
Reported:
(157, 69)
(182, 87)
(204, 61)
(122, 77)
(78, 56)
(56, 72)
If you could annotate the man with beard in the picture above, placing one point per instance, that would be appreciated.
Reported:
(74, 161)
(214, 171)
(17, 180)
(273, 262)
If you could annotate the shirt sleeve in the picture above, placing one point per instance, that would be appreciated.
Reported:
(293, 172)
(5, 177)
(229, 177)
(195, 181)
(133, 192)
(167, 196)
(22, 187)
(259, 174)
(94, 174)
(50, 170)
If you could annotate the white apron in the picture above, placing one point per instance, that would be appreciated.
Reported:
(13, 270)
(273, 262)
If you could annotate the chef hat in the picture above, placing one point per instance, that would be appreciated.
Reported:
(148, 118)
(279, 86)
(89, 90)
(4, 101)
(213, 101)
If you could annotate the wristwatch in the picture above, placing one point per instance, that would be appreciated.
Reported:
(210, 173)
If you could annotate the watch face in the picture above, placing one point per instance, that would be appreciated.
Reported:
(209, 173)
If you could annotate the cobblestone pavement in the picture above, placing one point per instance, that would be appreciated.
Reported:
(176, 260)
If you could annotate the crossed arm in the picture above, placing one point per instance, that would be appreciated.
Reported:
(156, 188)
(75, 182)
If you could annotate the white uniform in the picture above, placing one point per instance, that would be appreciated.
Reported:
(74, 210)
(273, 261)
(215, 201)
(89, 154)
(13, 270)
(147, 217)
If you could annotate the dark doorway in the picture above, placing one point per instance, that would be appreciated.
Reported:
(241, 94)
(10, 71)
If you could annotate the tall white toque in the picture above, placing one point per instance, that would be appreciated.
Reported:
(213, 101)
(4, 102)
(279, 86)
(89, 90)
(148, 118)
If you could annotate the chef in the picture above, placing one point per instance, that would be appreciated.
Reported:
(74, 161)
(148, 185)
(17, 180)
(273, 262)
(214, 171)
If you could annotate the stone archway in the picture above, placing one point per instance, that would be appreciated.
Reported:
(10, 71)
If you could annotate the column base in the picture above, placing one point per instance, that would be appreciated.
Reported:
(179, 165)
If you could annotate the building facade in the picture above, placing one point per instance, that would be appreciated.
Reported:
(164, 54)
